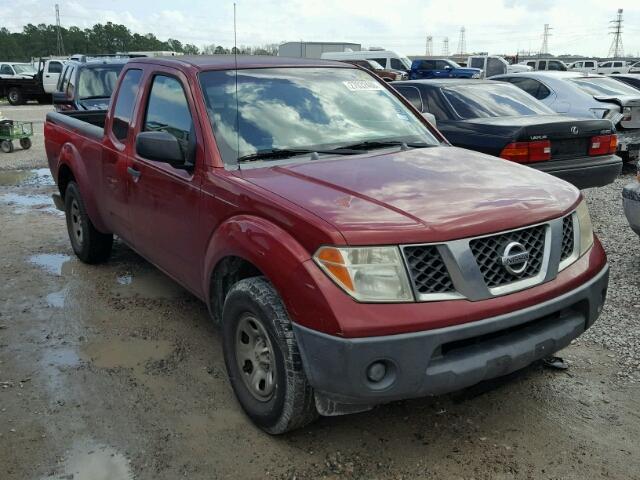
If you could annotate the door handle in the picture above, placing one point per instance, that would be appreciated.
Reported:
(47, 76)
(133, 172)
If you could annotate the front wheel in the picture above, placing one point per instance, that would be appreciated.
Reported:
(262, 358)
(90, 245)
(14, 95)
(6, 146)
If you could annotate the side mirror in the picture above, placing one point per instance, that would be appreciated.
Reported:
(448, 67)
(430, 117)
(60, 98)
(160, 147)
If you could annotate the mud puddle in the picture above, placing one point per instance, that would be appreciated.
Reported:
(133, 353)
(151, 284)
(53, 263)
(89, 460)
(57, 299)
(23, 203)
(37, 177)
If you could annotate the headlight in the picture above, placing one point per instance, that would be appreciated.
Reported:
(368, 274)
(586, 229)
(475, 75)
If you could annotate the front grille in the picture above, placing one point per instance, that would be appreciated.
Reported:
(428, 272)
(488, 252)
(567, 237)
(569, 148)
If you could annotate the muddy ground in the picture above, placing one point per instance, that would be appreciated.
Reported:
(115, 372)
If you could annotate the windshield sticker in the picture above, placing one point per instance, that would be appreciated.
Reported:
(362, 85)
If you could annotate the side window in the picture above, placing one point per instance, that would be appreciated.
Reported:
(606, 65)
(123, 108)
(428, 65)
(435, 105)
(617, 64)
(542, 65)
(6, 69)
(555, 65)
(54, 67)
(168, 111)
(532, 65)
(441, 64)
(588, 64)
(543, 91)
(63, 81)
(71, 83)
(477, 62)
(397, 64)
(412, 94)
(577, 65)
(381, 61)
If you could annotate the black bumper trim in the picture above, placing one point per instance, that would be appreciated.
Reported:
(420, 366)
(584, 172)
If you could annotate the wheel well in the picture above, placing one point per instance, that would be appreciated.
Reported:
(65, 175)
(228, 272)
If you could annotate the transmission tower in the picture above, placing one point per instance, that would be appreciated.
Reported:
(616, 50)
(545, 39)
(429, 49)
(462, 43)
(60, 45)
(445, 47)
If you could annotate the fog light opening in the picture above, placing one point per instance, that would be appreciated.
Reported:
(376, 372)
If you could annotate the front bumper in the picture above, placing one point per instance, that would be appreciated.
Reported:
(584, 172)
(631, 204)
(442, 360)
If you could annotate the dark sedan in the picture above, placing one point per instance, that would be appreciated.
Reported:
(502, 120)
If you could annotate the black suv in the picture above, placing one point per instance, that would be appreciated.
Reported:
(87, 83)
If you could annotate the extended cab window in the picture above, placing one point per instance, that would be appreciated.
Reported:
(168, 110)
(123, 108)
(311, 109)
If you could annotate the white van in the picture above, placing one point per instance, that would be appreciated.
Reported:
(388, 59)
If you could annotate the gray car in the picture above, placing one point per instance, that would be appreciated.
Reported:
(587, 96)
(631, 203)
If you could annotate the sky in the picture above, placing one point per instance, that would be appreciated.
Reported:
(495, 26)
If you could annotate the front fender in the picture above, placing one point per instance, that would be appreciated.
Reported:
(281, 259)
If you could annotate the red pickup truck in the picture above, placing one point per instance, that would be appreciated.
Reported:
(351, 255)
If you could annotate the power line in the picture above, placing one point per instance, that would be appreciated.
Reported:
(616, 50)
(462, 43)
(60, 44)
(545, 39)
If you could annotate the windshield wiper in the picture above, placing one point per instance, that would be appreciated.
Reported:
(373, 144)
(277, 153)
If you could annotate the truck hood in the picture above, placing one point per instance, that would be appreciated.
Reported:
(420, 195)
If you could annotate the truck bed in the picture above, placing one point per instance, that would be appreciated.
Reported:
(88, 123)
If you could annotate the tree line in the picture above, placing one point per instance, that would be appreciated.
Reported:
(41, 41)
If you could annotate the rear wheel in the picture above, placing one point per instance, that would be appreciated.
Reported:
(90, 245)
(6, 146)
(25, 143)
(262, 358)
(14, 95)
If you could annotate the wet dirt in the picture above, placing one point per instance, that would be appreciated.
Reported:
(115, 372)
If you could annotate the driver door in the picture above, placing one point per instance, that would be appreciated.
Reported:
(165, 199)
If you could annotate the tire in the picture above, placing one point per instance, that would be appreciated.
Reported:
(89, 244)
(282, 399)
(14, 95)
(25, 143)
(6, 146)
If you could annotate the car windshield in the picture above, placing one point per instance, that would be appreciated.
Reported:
(604, 86)
(453, 64)
(493, 100)
(24, 69)
(406, 62)
(98, 82)
(304, 109)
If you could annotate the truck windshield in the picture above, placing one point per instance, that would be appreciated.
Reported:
(98, 82)
(24, 69)
(493, 100)
(310, 109)
(604, 86)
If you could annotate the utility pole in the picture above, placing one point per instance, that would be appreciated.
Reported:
(445, 47)
(60, 45)
(462, 43)
(545, 39)
(616, 50)
(429, 49)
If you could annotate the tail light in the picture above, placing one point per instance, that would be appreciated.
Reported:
(527, 152)
(603, 145)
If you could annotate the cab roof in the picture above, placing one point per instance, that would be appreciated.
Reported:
(227, 62)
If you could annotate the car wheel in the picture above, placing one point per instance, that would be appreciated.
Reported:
(262, 358)
(90, 245)
(15, 96)
(25, 143)
(6, 146)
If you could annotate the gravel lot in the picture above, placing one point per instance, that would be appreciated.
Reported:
(116, 372)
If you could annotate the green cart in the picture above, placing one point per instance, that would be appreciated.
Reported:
(11, 130)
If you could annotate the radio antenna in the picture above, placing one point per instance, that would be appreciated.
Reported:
(235, 60)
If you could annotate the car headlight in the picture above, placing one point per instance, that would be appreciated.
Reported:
(368, 274)
(586, 229)
(475, 75)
